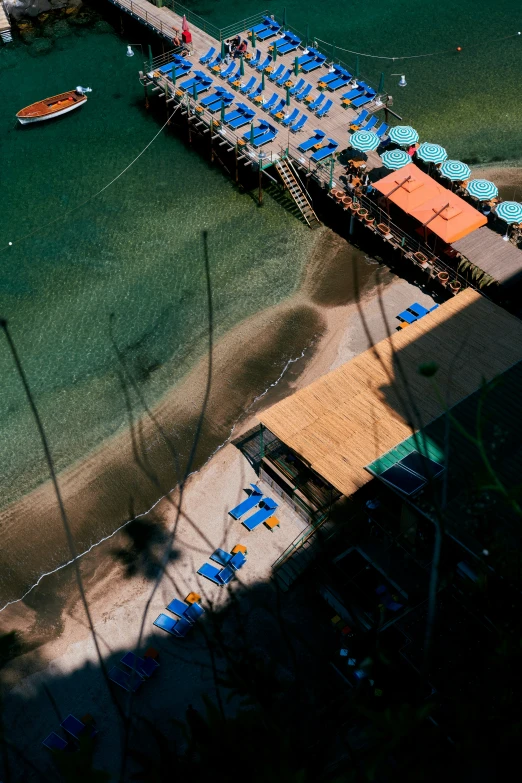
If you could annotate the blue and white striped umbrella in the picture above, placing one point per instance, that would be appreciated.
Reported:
(431, 153)
(404, 135)
(482, 189)
(509, 211)
(395, 159)
(364, 141)
(455, 170)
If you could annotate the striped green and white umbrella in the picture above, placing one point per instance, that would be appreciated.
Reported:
(431, 153)
(509, 211)
(395, 159)
(404, 135)
(364, 141)
(482, 189)
(455, 170)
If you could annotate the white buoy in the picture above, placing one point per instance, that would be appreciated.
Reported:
(10, 243)
(402, 82)
(130, 53)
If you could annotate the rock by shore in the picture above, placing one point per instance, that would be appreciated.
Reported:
(18, 9)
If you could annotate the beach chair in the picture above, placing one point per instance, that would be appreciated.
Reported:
(194, 612)
(370, 125)
(318, 101)
(225, 100)
(145, 667)
(274, 76)
(261, 26)
(217, 61)
(382, 130)
(208, 56)
(232, 115)
(313, 64)
(362, 101)
(256, 92)
(234, 77)
(244, 119)
(407, 317)
(189, 83)
(54, 742)
(284, 78)
(220, 577)
(290, 118)
(227, 71)
(304, 93)
(256, 495)
(248, 503)
(331, 77)
(268, 136)
(359, 120)
(352, 94)
(76, 728)
(292, 44)
(325, 108)
(305, 58)
(176, 627)
(342, 81)
(214, 97)
(312, 141)
(278, 107)
(269, 105)
(266, 62)
(324, 152)
(237, 561)
(221, 557)
(418, 310)
(268, 32)
(255, 60)
(299, 125)
(202, 86)
(260, 516)
(130, 682)
(245, 88)
(298, 86)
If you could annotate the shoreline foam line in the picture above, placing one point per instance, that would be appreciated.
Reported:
(144, 513)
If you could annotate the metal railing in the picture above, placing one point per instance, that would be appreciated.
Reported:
(192, 18)
(149, 17)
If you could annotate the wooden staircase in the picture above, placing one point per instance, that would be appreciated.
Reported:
(285, 171)
(305, 550)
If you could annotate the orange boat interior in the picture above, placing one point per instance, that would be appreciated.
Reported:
(51, 105)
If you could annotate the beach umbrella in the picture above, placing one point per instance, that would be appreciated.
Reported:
(222, 111)
(263, 82)
(252, 133)
(296, 66)
(395, 159)
(455, 170)
(509, 211)
(274, 52)
(431, 153)
(184, 24)
(223, 53)
(253, 39)
(195, 91)
(482, 189)
(241, 66)
(288, 96)
(364, 140)
(173, 74)
(404, 135)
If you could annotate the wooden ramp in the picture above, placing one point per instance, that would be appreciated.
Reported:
(287, 174)
(5, 25)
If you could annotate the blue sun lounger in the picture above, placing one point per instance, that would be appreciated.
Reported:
(300, 96)
(331, 77)
(418, 310)
(408, 317)
(228, 70)
(299, 125)
(271, 102)
(325, 108)
(256, 92)
(189, 83)
(145, 667)
(258, 131)
(245, 88)
(216, 96)
(130, 682)
(277, 108)
(284, 78)
(266, 62)
(202, 86)
(324, 152)
(318, 101)
(359, 120)
(208, 56)
(313, 64)
(232, 115)
(226, 100)
(382, 130)
(260, 516)
(305, 58)
(237, 561)
(312, 141)
(265, 138)
(298, 86)
(268, 32)
(221, 557)
(217, 61)
(342, 81)
(292, 44)
(179, 68)
(370, 125)
(244, 119)
(256, 495)
(190, 612)
(260, 27)
(76, 728)
(358, 102)
(234, 77)
(220, 577)
(352, 94)
(54, 742)
(176, 627)
(256, 59)
(291, 118)
(277, 73)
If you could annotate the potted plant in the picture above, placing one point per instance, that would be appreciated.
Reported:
(421, 258)
(383, 228)
(362, 212)
(455, 286)
(347, 202)
(370, 220)
(443, 277)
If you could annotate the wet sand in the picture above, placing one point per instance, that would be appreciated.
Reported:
(508, 179)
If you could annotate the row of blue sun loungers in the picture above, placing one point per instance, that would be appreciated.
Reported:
(186, 616)
(230, 566)
(319, 138)
(266, 510)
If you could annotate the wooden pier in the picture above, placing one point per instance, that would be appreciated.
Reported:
(5, 25)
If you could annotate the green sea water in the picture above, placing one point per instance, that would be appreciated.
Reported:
(135, 250)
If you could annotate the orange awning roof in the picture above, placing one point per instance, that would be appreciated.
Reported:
(420, 196)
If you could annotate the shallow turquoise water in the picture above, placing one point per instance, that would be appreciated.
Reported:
(135, 251)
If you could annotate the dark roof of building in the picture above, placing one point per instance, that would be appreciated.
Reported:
(487, 250)
(484, 487)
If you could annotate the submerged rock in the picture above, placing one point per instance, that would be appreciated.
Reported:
(32, 8)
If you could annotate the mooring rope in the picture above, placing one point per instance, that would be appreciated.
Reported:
(414, 56)
(90, 198)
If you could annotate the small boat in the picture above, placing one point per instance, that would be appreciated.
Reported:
(53, 107)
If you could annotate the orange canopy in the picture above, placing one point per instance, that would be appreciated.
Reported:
(419, 195)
